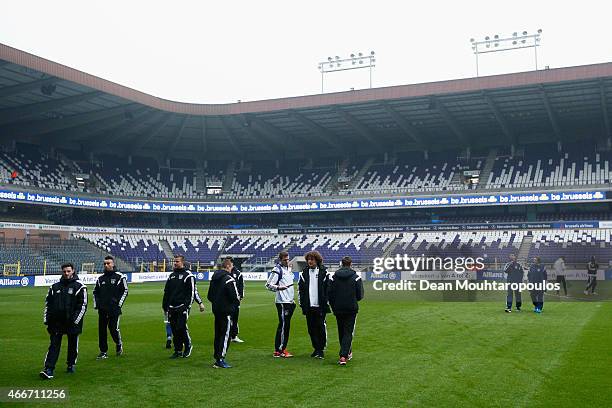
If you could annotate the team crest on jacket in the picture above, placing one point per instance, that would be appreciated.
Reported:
(70, 291)
(180, 276)
(113, 281)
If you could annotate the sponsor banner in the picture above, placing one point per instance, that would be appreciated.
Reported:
(108, 203)
(48, 280)
(570, 275)
(394, 275)
(138, 277)
(491, 275)
(255, 276)
(202, 276)
(16, 281)
(419, 275)
(605, 224)
(445, 227)
(577, 275)
(151, 231)
(576, 224)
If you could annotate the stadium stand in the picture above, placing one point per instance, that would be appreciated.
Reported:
(539, 165)
(257, 249)
(413, 173)
(543, 166)
(360, 247)
(576, 245)
(132, 248)
(493, 246)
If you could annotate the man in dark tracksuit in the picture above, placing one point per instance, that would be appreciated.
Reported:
(537, 275)
(344, 290)
(65, 308)
(178, 297)
(198, 300)
(592, 268)
(312, 288)
(237, 275)
(223, 295)
(514, 274)
(109, 294)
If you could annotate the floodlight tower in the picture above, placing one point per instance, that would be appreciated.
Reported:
(509, 43)
(356, 61)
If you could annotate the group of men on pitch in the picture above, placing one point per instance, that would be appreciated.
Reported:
(317, 291)
(66, 304)
(536, 274)
(65, 307)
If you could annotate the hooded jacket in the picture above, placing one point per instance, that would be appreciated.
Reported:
(179, 291)
(344, 290)
(110, 292)
(304, 289)
(223, 293)
(65, 306)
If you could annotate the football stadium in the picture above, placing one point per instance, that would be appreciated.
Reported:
(468, 222)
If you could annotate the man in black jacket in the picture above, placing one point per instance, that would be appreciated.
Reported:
(237, 275)
(65, 307)
(592, 268)
(312, 288)
(223, 294)
(178, 297)
(109, 294)
(344, 290)
(514, 274)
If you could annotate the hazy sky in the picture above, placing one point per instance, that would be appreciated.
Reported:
(218, 52)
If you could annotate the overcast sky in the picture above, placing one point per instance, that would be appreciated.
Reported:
(219, 52)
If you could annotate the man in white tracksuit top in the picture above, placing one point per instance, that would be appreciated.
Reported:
(281, 282)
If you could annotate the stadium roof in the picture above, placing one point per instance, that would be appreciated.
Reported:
(43, 101)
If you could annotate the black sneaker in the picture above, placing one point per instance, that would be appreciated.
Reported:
(176, 354)
(314, 354)
(102, 356)
(70, 370)
(119, 350)
(508, 310)
(169, 344)
(188, 350)
(320, 355)
(518, 309)
(46, 374)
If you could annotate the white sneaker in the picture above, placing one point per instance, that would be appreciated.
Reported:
(586, 292)
(237, 340)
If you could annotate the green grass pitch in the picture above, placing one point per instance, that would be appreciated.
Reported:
(408, 352)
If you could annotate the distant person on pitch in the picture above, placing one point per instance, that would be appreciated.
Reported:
(344, 291)
(280, 281)
(109, 295)
(559, 267)
(65, 307)
(592, 268)
(179, 294)
(223, 295)
(312, 288)
(237, 275)
(537, 274)
(514, 274)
